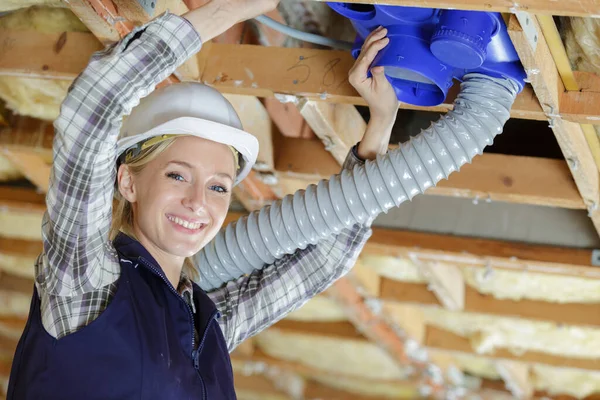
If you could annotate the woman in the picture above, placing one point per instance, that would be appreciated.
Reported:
(117, 315)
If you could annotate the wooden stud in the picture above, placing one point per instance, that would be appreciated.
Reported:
(448, 284)
(441, 339)
(255, 120)
(242, 69)
(437, 339)
(571, 139)
(35, 169)
(584, 8)
(339, 126)
(491, 177)
(582, 314)
(475, 251)
(370, 321)
(563, 65)
(516, 376)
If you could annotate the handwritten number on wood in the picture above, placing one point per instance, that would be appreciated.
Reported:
(329, 77)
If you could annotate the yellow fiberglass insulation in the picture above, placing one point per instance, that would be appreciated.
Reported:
(581, 37)
(10, 5)
(38, 98)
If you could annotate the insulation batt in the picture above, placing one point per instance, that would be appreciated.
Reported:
(38, 98)
(346, 357)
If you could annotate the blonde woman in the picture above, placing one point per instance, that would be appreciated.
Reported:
(119, 316)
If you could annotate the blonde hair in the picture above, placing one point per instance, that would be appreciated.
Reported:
(122, 220)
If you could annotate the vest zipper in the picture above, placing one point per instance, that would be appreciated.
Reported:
(194, 351)
(157, 272)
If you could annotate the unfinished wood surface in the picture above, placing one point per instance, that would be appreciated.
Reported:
(255, 120)
(49, 55)
(448, 284)
(311, 73)
(32, 165)
(437, 339)
(570, 7)
(441, 339)
(517, 378)
(100, 16)
(315, 74)
(339, 126)
(562, 313)
(371, 323)
(456, 246)
(491, 177)
(17, 199)
(29, 134)
(569, 135)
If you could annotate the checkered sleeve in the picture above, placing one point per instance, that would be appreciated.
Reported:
(252, 303)
(78, 265)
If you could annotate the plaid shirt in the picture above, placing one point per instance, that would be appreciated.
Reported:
(77, 272)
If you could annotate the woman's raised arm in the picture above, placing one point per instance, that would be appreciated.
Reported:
(78, 257)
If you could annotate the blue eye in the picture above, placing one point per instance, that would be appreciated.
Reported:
(175, 176)
(219, 189)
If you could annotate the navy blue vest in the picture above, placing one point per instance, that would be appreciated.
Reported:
(140, 347)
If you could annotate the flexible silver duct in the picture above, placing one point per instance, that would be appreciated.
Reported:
(480, 111)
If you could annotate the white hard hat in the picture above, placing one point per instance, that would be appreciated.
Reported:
(189, 108)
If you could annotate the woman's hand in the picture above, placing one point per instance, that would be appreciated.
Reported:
(216, 16)
(378, 93)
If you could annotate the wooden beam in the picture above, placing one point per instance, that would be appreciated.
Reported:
(241, 69)
(50, 55)
(443, 340)
(22, 200)
(582, 314)
(437, 339)
(30, 134)
(569, 135)
(481, 252)
(372, 323)
(32, 165)
(491, 177)
(584, 8)
(517, 378)
(314, 74)
(339, 126)
(447, 282)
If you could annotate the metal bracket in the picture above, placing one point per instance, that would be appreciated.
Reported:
(596, 258)
(526, 21)
(148, 6)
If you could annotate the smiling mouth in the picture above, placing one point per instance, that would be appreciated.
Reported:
(193, 226)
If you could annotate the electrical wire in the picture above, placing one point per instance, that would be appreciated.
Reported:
(304, 36)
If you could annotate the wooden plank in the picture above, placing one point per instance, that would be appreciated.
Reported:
(49, 55)
(315, 74)
(372, 323)
(21, 200)
(583, 314)
(101, 18)
(437, 339)
(35, 169)
(26, 133)
(493, 177)
(569, 135)
(457, 245)
(339, 126)
(448, 284)
(517, 378)
(234, 68)
(584, 8)
(441, 339)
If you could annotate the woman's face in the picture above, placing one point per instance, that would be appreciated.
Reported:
(181, 198)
